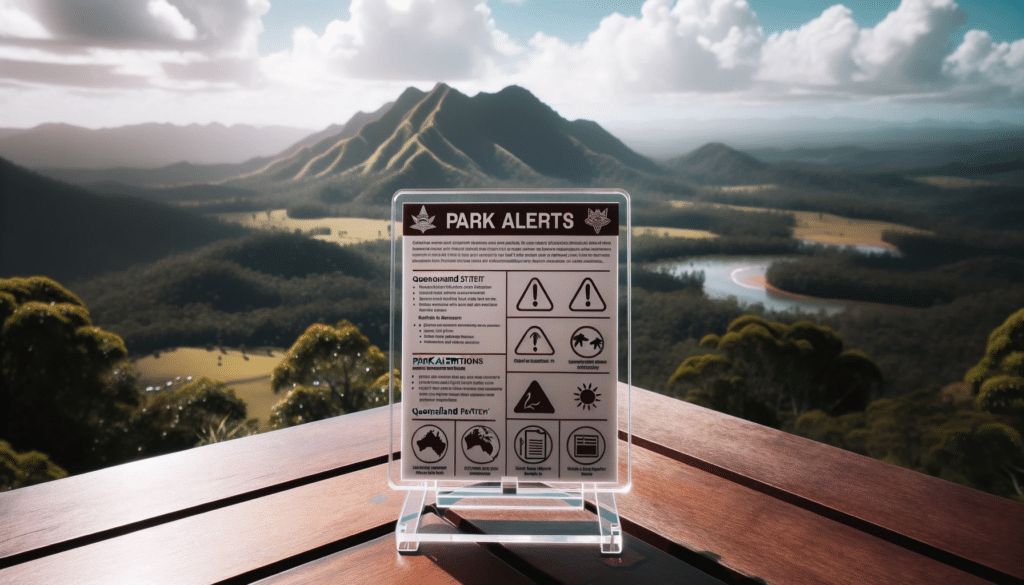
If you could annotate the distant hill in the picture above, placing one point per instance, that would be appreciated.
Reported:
(185, 173)
(717, 164)
(65, 232)
(445, 139)
(142, 146)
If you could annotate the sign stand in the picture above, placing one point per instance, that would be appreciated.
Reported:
(514, 324)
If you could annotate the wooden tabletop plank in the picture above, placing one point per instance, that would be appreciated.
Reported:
(576, 564)
(976, 531)
(88, 507)
(762, 537)
(238, 540)
(377, 561)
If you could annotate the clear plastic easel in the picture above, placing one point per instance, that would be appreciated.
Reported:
(525, 507)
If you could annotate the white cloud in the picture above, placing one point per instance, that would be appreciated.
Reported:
(693, 45)
(413, 40)
(172, 44)
(818, 53)
(902, 54)
(698, 54)
(16, 22)
(169, 17)
(908, 46)
(980, 61)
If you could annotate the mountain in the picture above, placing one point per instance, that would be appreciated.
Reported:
(185, 173)
(143, 146)
(65, 232)
(717, 164)
(445, 139)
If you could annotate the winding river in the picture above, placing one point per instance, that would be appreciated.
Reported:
(743, 278)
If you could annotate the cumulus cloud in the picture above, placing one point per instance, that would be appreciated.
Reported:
(904, 53)
(414, 40)
(818, 53)
(131, 41)
(691, 45)
(979, 61)
(675, 53)
(16, 22)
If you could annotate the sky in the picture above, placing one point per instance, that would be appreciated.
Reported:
(625, 64)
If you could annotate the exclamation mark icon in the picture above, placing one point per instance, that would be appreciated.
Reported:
(586, 291)
(535, 294)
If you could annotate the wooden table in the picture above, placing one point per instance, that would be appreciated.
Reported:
(714, 499)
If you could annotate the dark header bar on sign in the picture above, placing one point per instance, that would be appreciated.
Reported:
(510, 219)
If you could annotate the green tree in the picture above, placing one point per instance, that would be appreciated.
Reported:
(997, 380)
(763, 367)
(185, 417)
(329, 371)
(18, 470)
(978, 449)
(65, 388)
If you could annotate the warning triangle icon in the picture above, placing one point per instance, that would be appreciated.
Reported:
(534, 342)
(534, 401)
(587, 298)
(534, 298)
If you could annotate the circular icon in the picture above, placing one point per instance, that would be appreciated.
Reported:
(429, 444)
(480, 444)
(585, 445)
(533, 444)
(587, 342)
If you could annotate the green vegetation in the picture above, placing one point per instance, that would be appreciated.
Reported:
(41, 216)
(762, 369)
(932, 269)
(19, 470)
(327, 372)
(71, 403)
(63, 387)
(262, 290)
(796, 377)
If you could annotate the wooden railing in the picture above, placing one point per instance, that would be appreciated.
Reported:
(713, 498)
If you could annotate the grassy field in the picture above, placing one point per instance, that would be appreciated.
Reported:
(825, 228)
(955, 182)
(247, 372)
(673, 233)
(344, 230)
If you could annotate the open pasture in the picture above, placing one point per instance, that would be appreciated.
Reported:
(343, 230)
(826, 228)
(247, 372)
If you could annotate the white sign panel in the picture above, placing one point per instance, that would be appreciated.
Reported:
(510, 341)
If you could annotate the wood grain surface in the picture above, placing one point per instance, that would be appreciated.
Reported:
(229, 542)
(762, 537)
(115, 500)
(978, 532)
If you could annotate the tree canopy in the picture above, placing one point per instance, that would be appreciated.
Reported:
(997, 380)
(329, 371)
(61, 377)
(761, 368)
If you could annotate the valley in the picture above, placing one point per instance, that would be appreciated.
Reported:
(189, 264)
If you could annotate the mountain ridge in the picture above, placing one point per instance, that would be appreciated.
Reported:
(446, 139)
(59, 145)
(66, 232)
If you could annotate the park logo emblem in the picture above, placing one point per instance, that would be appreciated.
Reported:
(587, 298)
(534, 298)
(423, 221)
(534, 342)
(534, 401)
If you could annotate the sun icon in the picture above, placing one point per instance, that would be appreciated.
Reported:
(587, 396)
